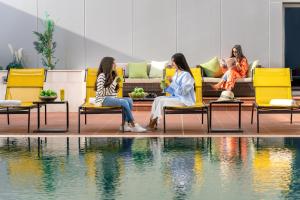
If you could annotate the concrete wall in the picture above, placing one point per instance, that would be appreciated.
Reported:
(132, 30)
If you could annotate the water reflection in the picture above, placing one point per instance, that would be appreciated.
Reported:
(149, 168)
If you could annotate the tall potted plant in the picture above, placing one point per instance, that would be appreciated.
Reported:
(45, 45)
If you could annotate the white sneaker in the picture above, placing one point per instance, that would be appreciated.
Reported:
(138, 129)
(127, 128)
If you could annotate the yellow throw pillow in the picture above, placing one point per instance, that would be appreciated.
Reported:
(212, 68)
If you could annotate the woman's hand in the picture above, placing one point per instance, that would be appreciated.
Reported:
(163, 85)
(117, 79)
(237, 65)
(170, 79)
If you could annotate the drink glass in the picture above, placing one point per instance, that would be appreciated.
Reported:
(164, 83)
(62, 94)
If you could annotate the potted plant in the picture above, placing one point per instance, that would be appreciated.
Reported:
(17, 58)
(45, 45)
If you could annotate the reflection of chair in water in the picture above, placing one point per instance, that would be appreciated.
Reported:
(24, 85)
(25, 171)
(272, 83)
(272, 170)
(88, 108)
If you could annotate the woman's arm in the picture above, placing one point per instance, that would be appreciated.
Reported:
(100, 84)
(187, 84)
(112, 87)
(243, 64)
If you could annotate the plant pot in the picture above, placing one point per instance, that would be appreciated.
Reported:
(48, 98)
(131, 95)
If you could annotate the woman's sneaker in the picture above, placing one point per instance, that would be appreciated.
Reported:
(127, 128)
(138, 129)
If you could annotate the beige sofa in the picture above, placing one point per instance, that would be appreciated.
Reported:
(243, 88)
(150, 85)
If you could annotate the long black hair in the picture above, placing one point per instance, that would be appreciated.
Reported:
(181, 63)
(106, 67)
(240, 54)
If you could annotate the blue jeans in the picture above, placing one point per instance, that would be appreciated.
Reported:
(225, 76)
(126, 103)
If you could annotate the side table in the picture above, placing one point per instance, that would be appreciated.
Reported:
(39, 104)
(239, 103)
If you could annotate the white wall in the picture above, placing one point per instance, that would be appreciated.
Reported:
(133, 30)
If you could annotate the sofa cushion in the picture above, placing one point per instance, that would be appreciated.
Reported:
(251, 67)
(216, 80)
(212, 68)
(137, 70)
(125, 67)
(157, 68)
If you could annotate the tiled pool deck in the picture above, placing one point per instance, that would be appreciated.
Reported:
(177, 125)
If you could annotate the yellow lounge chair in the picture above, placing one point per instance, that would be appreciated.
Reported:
(88, 108)
(272, 83)
(24, 85)
(199, 107)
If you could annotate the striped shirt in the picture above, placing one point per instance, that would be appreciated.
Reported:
(102, 92)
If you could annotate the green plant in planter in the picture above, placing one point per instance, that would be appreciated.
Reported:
(45, 45)
(17, 58)
(48, 93)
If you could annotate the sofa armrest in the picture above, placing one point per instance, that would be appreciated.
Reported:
(202, 70)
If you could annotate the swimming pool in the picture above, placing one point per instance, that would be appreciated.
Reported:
(150, 168)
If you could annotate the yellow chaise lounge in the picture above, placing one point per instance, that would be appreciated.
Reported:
(24, 85)
(88, 108)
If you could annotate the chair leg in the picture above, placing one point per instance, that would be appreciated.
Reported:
(123, 119)
(202, 116)
(78, 120)
(252, 111)
(85, 120)
(291, 121)
(7, 116)
(257, 120)
(28, 129)
(164, 120)
(45, 114)
(207, 115)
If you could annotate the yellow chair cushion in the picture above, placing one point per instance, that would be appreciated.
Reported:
(198, 105)
(88, 105)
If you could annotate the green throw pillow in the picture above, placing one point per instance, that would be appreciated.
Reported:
(212, 68)
(137, 70)
(251, 67)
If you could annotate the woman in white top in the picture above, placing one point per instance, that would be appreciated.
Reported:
(181, 90)
(106, 87)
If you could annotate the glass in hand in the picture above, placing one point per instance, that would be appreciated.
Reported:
(163, 85)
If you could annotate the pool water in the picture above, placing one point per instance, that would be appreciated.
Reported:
(150, 168)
